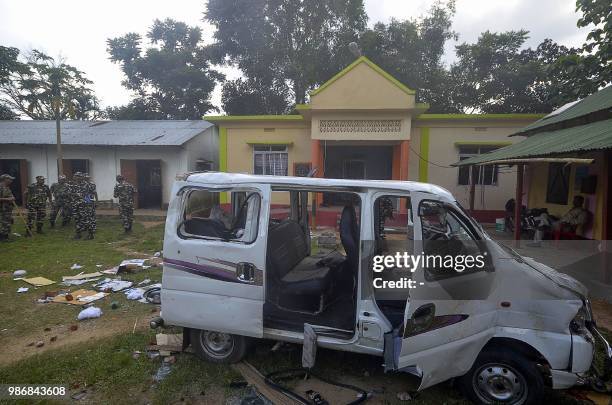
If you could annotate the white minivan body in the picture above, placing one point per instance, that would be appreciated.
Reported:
(220, 285)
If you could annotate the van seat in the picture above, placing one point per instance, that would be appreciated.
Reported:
(295, 271)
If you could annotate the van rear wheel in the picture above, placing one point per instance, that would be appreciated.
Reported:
(503, 376)
(218, 347)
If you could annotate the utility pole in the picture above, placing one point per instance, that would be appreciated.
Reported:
(58, 131)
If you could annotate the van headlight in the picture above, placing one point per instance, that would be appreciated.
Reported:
(582, 321)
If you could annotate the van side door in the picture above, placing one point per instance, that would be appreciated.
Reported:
(214, 259)
(448, 318)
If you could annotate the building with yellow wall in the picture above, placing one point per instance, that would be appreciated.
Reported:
(363, 123)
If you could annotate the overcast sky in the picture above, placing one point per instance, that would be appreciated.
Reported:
(77, 30)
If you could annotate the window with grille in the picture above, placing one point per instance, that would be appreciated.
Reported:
(270, 159)
(483, 175)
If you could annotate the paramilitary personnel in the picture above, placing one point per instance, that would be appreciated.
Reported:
(79, 193)
(91, 198)
(7, 200)
(61, 201)
(36, 196)
(125, 191)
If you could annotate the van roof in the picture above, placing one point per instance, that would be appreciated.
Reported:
(219, 178)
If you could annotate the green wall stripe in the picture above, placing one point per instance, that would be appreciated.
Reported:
(224, 198)
(424, 152)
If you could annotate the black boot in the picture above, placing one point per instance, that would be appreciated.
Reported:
(90, 236)
(77, 235)
(39, 228)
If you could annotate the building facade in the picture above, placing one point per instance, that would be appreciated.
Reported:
(365, 124)
(149, 154)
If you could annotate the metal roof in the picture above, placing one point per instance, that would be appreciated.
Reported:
(103, 133)
(600, 101)
(594, 136)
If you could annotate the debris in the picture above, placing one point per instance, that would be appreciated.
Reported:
(47, 329)
(113, 285)
(79, 297)
(115, 305)
(152, 354)
(135, 323)
(17, 234)
(19, 273)
(82, 276)
(40, 343)
(76, 267)
(145, 281)
(157, 254)
(22, 289)
(170, 359)
(73, 327)
(98, 265)
(38, 281)
(112, 270)
(165, 339)
(136, 354)
(53, 338)
(131, 265)
(404, 396)
(163, 372)
(77, 396)
(50, 294)
(30, 344)
(134, 293)
(91, 312)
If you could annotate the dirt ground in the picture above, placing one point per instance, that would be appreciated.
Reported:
(55, 337)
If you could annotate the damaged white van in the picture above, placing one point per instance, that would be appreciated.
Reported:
(262, 256)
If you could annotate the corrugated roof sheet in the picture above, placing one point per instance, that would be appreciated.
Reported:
(593, 136)
(109, 133)
(601, 100)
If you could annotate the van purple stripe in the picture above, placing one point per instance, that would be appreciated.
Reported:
(203, 270)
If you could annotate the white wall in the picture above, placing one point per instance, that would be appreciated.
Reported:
(105, 161)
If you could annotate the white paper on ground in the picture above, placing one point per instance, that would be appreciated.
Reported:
(22, 289)
(91, 312)
(114, 285)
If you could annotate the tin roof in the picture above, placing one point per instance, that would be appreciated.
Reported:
(103, 133)
(594, 136)
(595, 107)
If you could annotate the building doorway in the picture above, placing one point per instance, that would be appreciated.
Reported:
(71, 166)
(18, 168)
(146, 176)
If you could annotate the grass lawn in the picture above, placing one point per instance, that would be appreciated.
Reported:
(98, 357)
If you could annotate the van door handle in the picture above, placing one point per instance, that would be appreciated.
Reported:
(245, 272)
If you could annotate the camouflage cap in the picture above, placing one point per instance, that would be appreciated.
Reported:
(40, 177)
(6, 177)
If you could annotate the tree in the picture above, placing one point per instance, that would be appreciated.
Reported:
(9, 63)
(300, 43)
(253, 96)
(495, 75)
(598, 45)
(34, 87)
(412, 50)
(171, 79)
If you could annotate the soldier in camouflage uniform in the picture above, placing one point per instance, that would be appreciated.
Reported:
(61, 201)
(7, 199)
(36, 197)
(78, 192)
(125, 191)
(91, 198)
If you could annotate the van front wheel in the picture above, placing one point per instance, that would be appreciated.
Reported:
(218, 347)
(502, 376)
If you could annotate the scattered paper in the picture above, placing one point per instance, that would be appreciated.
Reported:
(38, 281)
(91, 312)
(145, 281)
(80, 282)
(76, 267)
(82, 276)
(17, 234)
(113, 285)
(80, 297)
(134, 293)
(157, 254)
(22, 289)
(98, 265)
(112, 270)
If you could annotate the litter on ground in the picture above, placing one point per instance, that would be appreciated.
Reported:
(131, 265)
(112, 270)
(82, 276)
(76, 266)
(19, 273)
(113, 285)
(145, 281)
(38, 281)
(22, 289)
(91, 312)
(79, 297)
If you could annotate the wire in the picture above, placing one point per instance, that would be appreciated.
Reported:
(429, 161)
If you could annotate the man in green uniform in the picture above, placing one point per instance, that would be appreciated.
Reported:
(61, 201)
(7, 200)
(91, 198)
(36, 196)
(125, 191)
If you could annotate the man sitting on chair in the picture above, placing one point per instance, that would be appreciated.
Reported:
(573, 221)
